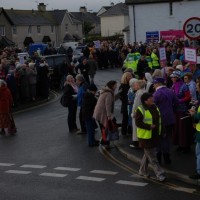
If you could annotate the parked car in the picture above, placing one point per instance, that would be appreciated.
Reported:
(55, 63)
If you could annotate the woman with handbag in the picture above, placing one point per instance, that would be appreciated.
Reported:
(104, 108)
(7, 123)
(70, 91)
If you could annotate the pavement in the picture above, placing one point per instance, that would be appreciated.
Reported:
(182, 164)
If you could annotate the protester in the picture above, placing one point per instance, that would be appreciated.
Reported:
(32, 78)
(124, 87)
(89, 103)
(7, 124)
(182, 135)
(139, 87)
(131, 97)
(92, 68)
(191, 85)
(196, 117)
(84, 69)
(166, 100)
(104, 109)
(71, 90)
(82, 88)
(148, 122)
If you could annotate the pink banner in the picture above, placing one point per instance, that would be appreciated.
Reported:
(171, 35)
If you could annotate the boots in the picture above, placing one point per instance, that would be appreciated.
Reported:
(167, 159)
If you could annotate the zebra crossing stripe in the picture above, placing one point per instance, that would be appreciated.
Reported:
(6, 164)
(140, 184)
(53, 175)
(34, 166)
(103, 172)
(18, 172)
(67, 169)
(88, 178)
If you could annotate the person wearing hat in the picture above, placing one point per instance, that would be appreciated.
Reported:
(89, 103)
(183, 127)
(149, 129)
(166, 100)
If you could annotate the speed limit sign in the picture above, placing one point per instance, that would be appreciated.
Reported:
(191, 28)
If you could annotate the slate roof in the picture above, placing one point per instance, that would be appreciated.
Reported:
(31, 17)
(86, 16)
(148, 1)
(116, 10)
(59, 15)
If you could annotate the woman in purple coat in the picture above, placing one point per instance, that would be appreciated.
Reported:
(183, 127)
(166, 100)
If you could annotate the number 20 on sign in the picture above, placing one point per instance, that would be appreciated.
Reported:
(191, 28)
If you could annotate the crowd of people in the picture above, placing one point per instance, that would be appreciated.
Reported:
(158, 99)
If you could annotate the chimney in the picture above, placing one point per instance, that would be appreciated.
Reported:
(112, 4)
(83, 9)
(41, 7)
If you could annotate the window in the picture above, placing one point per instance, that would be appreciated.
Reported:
(52, 29)
(66, 27)
(30, 29)
(170, 8)
(14, 30)
(2, 30)
(38, 29)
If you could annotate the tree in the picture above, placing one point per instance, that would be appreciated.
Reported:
(87, 27)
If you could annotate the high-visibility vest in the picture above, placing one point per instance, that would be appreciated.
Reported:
(155, 60)
(198, 124)
(144, 133)
(149, 61)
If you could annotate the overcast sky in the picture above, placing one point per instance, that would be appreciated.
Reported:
(70, 5)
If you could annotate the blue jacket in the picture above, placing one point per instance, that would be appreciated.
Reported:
(81, 92)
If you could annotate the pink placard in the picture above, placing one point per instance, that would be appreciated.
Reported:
(171, 35)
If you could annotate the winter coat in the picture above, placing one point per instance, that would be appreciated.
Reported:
(92, 66)
(124, 96)
(89, 103)
(81, 92)
(167, 102)
(32, 76)
(105, 106)
(6, 100)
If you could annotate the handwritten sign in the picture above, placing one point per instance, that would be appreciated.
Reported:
(190, 55)
(162, 53)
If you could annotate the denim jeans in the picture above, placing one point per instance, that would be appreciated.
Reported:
(198, 156)
(90, 127)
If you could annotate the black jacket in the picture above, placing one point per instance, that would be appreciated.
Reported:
(89, 103)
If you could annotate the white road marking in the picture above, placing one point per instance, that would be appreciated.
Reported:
(18, 172)
(68, 169)
(34, 166)
(88, 178)
(131, 183)
(103, 172)
(53, 175)
(6, 164)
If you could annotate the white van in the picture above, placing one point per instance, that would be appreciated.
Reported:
(73, 45)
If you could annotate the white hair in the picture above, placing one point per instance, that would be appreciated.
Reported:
(2, 82)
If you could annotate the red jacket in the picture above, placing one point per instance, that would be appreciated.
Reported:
(6, 100)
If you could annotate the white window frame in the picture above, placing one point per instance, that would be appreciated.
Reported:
(2, 30)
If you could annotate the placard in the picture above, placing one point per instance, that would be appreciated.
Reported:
(190, 55)
(162, 53)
